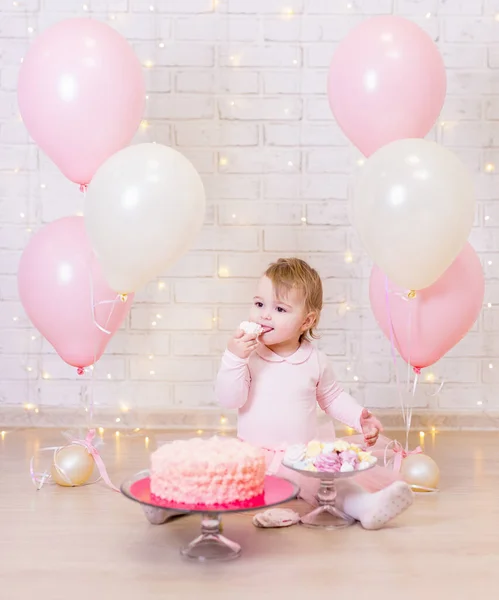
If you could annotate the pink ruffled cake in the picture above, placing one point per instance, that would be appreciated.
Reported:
(207, 471)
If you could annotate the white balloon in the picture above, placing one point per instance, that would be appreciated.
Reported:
(144, 208)
(413, 205)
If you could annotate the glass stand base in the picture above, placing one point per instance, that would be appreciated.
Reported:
(327, 517)
(211, 545)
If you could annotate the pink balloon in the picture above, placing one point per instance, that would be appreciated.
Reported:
(81, 94)
(59, 278)
(386, 82)
(440, 315)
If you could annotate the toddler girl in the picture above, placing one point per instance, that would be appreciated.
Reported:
(276, 379)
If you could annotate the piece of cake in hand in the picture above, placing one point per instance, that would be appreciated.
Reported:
(214, 471)
(250, 327)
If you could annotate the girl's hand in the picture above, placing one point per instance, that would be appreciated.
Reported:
(242, 344)
(371, 427)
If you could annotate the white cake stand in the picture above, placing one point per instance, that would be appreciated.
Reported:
(327, 515)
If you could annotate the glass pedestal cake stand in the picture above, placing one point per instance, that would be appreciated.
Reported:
(326, 515)
(211, 544)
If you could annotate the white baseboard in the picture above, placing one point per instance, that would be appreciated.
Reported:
(215, 420)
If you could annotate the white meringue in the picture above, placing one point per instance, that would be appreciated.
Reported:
(294, 453)
(328, 448)
(250, 327)
(347, 468)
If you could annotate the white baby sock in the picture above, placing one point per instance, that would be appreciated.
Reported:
(377, 509)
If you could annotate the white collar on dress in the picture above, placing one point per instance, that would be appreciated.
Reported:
(300, 356)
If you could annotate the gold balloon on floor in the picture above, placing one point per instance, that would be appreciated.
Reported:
(421, 472)
(73, 466)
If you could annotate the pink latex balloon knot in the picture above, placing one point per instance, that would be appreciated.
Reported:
(83, 188)
(417, 370)
(80, 371)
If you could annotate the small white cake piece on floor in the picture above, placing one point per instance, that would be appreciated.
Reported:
(276, 517)
(249, 327)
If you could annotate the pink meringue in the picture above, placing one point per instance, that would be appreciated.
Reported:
(350, 457)
(328, 462)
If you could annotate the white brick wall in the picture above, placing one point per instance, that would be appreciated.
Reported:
(239, 86)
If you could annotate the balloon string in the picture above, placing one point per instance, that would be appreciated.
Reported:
(407, 408)
(93, 306)
(104, 329)
(437, 391)
(89, 398)
(409, 345)
(392, 348)
(409, 412)
(39, 479)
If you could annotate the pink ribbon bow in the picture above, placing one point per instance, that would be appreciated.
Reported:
(101, 467)
(39, 479)
(399, 454)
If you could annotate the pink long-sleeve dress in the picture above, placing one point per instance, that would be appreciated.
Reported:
(277, 397)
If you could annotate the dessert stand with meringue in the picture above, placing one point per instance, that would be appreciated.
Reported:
(328, 461)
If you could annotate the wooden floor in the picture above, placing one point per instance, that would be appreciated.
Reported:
(92, 543)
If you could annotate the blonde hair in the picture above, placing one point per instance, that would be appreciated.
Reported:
(289, 273)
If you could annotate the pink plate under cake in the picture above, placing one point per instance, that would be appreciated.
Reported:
(212, 471)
